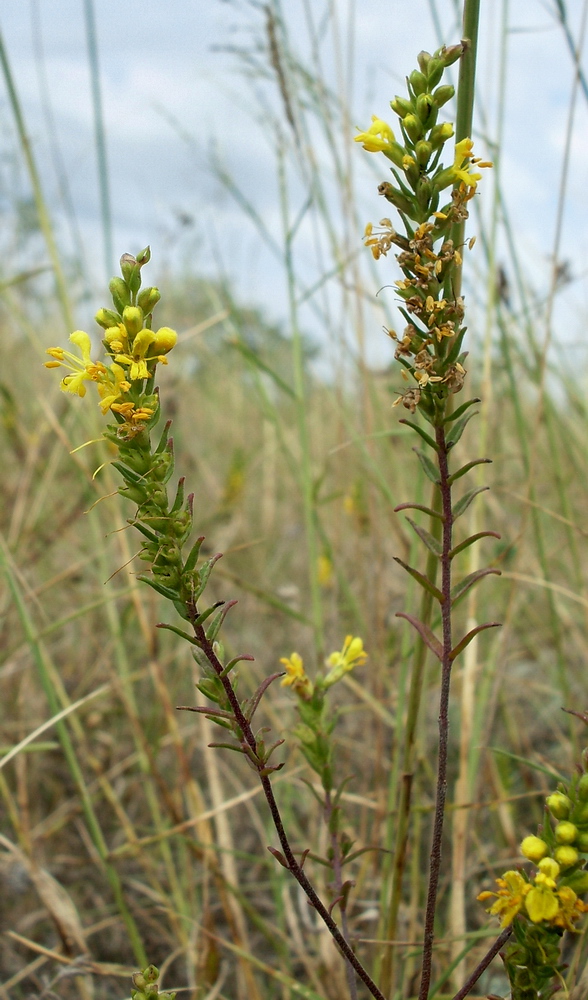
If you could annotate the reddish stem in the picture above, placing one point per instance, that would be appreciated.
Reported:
(435, 861)
(293, 865)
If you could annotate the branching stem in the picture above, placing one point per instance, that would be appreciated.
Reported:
(293, 865)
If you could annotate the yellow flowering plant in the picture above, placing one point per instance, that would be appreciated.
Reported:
(539, 906)
(127, 394)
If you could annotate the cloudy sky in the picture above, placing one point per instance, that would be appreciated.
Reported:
(179, 105)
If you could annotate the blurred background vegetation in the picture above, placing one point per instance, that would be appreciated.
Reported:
(116, 816)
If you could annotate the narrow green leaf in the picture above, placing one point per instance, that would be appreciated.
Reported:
(466, 468)
(426, 437)
(470, 541)
(429, 467)
(468, 638)
(422, 579)
(428, 637)
(464, 585)
(193, 555)
(461, 409)
(206, 614)
(233, 663)
(432, 543)
(419, 506)
(454, 352)
(462, 505)
(458, 428)
(178, 631)
(171, 595)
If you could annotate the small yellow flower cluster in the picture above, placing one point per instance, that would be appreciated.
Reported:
(134, 351)
(339, 663)
(540, 900)
(552, 895)
(296, 677)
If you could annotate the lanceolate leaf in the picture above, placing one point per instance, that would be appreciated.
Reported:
(458, 428)
(468, 638)
(464, 502)
(430, 470)
(466, 468)
(432, 544)
(256, 698)
(419, 506)
(422, 579)
(461, 409)
(464, 585)
(428, 637)
(470, 541)
(426, 437)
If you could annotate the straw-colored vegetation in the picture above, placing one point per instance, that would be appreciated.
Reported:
(123, 839)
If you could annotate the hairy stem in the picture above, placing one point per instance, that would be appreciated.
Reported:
(293, 865)
(435, 860)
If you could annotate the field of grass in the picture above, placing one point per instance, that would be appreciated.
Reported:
(123, 839)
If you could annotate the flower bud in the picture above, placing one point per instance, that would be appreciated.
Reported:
(440, 134)
(582, 788)
(127, 265)
(401, 107)
(165, 340)
(418, 82)
(413, 127)
(424, 108)
(409, 165)
(559, 805)
(133, 320)
(435, 71)
(534, 848)
(115, 334)
(144, 256)
(106, 318)
(120, 294)
(548, 867)
(148, 299)
(443, 94)
(582, 842)
(423, 60)
(424, 191)
(423, 152)
(566, 856)
(566, 833)
(450, 54)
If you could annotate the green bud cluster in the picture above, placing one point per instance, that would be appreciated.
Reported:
(416, 193)
(532, 960)
(146, 987)
(567, 840)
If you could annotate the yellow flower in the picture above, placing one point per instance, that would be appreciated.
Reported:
(83, 369)
(463, 155)
(541, 902)
(111, 387)
(510, 898)
(352, 655)
(135, 360)
(378, 138)
(570, 908)
(296, 676)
